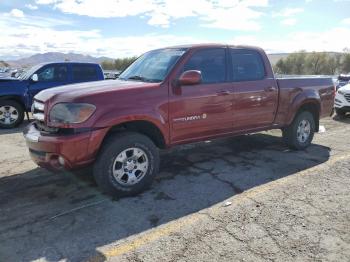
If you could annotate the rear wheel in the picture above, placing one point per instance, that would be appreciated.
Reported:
(340, 112)
(126, 165)
(11, 114)
(300, 133)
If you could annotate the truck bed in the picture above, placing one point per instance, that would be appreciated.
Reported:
(290, 87)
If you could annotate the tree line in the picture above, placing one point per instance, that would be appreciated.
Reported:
(298, 63)
(118, 64)
(315, 63)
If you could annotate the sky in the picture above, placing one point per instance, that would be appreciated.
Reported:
(122, 28)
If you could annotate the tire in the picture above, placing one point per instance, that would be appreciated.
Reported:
(340, 112)
(16, 112)
(293, 137)
(112, 169)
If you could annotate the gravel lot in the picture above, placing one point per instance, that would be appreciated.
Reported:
(247, 198)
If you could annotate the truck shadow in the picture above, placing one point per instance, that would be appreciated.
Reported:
(64, 216)
(343, 119)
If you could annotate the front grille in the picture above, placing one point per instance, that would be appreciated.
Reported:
(45, 129)
(38, 111)
(347, 97)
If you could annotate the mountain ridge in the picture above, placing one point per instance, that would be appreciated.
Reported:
(56, 57)
(75, 57)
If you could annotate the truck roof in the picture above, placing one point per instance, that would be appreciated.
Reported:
(67, 62)
(190, 46)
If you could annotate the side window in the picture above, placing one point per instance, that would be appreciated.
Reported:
(211, 63)
(84, 72)
(55, 73)
(247, 65)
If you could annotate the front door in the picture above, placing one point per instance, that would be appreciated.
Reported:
(48, 76)
(205, 109)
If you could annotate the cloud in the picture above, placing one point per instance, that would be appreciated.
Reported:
(288, 12)
(288, 15)
(16, 24)
(159, 19)
(45, 37)
(29, 34)
(43, 34)
(289, 21)
(46, 34)
(17, 13)
(327, 40)
(346, 21)
(31, 7)
(45, 2)
(33, 34)
(223, 14)
(337, 1)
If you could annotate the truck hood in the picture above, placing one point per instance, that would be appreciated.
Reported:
(8, 79)
(345, 88)
(12, 82)
(79, 92)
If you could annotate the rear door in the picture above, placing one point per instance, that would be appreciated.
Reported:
(205, 109)
(255, 95)
(48, 76)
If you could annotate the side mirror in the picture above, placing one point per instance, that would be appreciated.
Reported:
(191, 77)
(35, 78)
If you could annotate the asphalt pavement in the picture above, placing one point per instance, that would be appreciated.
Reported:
(247, 198)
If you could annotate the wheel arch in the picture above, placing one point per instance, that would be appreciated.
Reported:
(145, 127)
(311, 106)
(310, 101)
(15, 98)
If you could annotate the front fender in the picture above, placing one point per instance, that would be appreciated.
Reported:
(15, 90)
(96, 140)
(112, 119)
(159, 123)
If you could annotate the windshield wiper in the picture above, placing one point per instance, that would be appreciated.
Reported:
(136, 77)
(143, 79)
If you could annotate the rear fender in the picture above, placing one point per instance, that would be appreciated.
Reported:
(304, 98)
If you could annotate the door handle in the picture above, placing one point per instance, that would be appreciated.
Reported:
(270, 89)
(223, 93)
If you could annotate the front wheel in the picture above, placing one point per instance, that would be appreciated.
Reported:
(126, 165)
(11, 114)
(300, 133)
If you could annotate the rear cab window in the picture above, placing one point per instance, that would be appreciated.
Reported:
(84, 72)
(246, 65)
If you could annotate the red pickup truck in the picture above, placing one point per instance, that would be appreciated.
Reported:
(170, 96)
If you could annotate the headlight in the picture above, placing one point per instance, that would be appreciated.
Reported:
(71, 113)
(341, 92)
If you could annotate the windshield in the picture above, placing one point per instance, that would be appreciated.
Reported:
(26, 74)
(153, 66)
